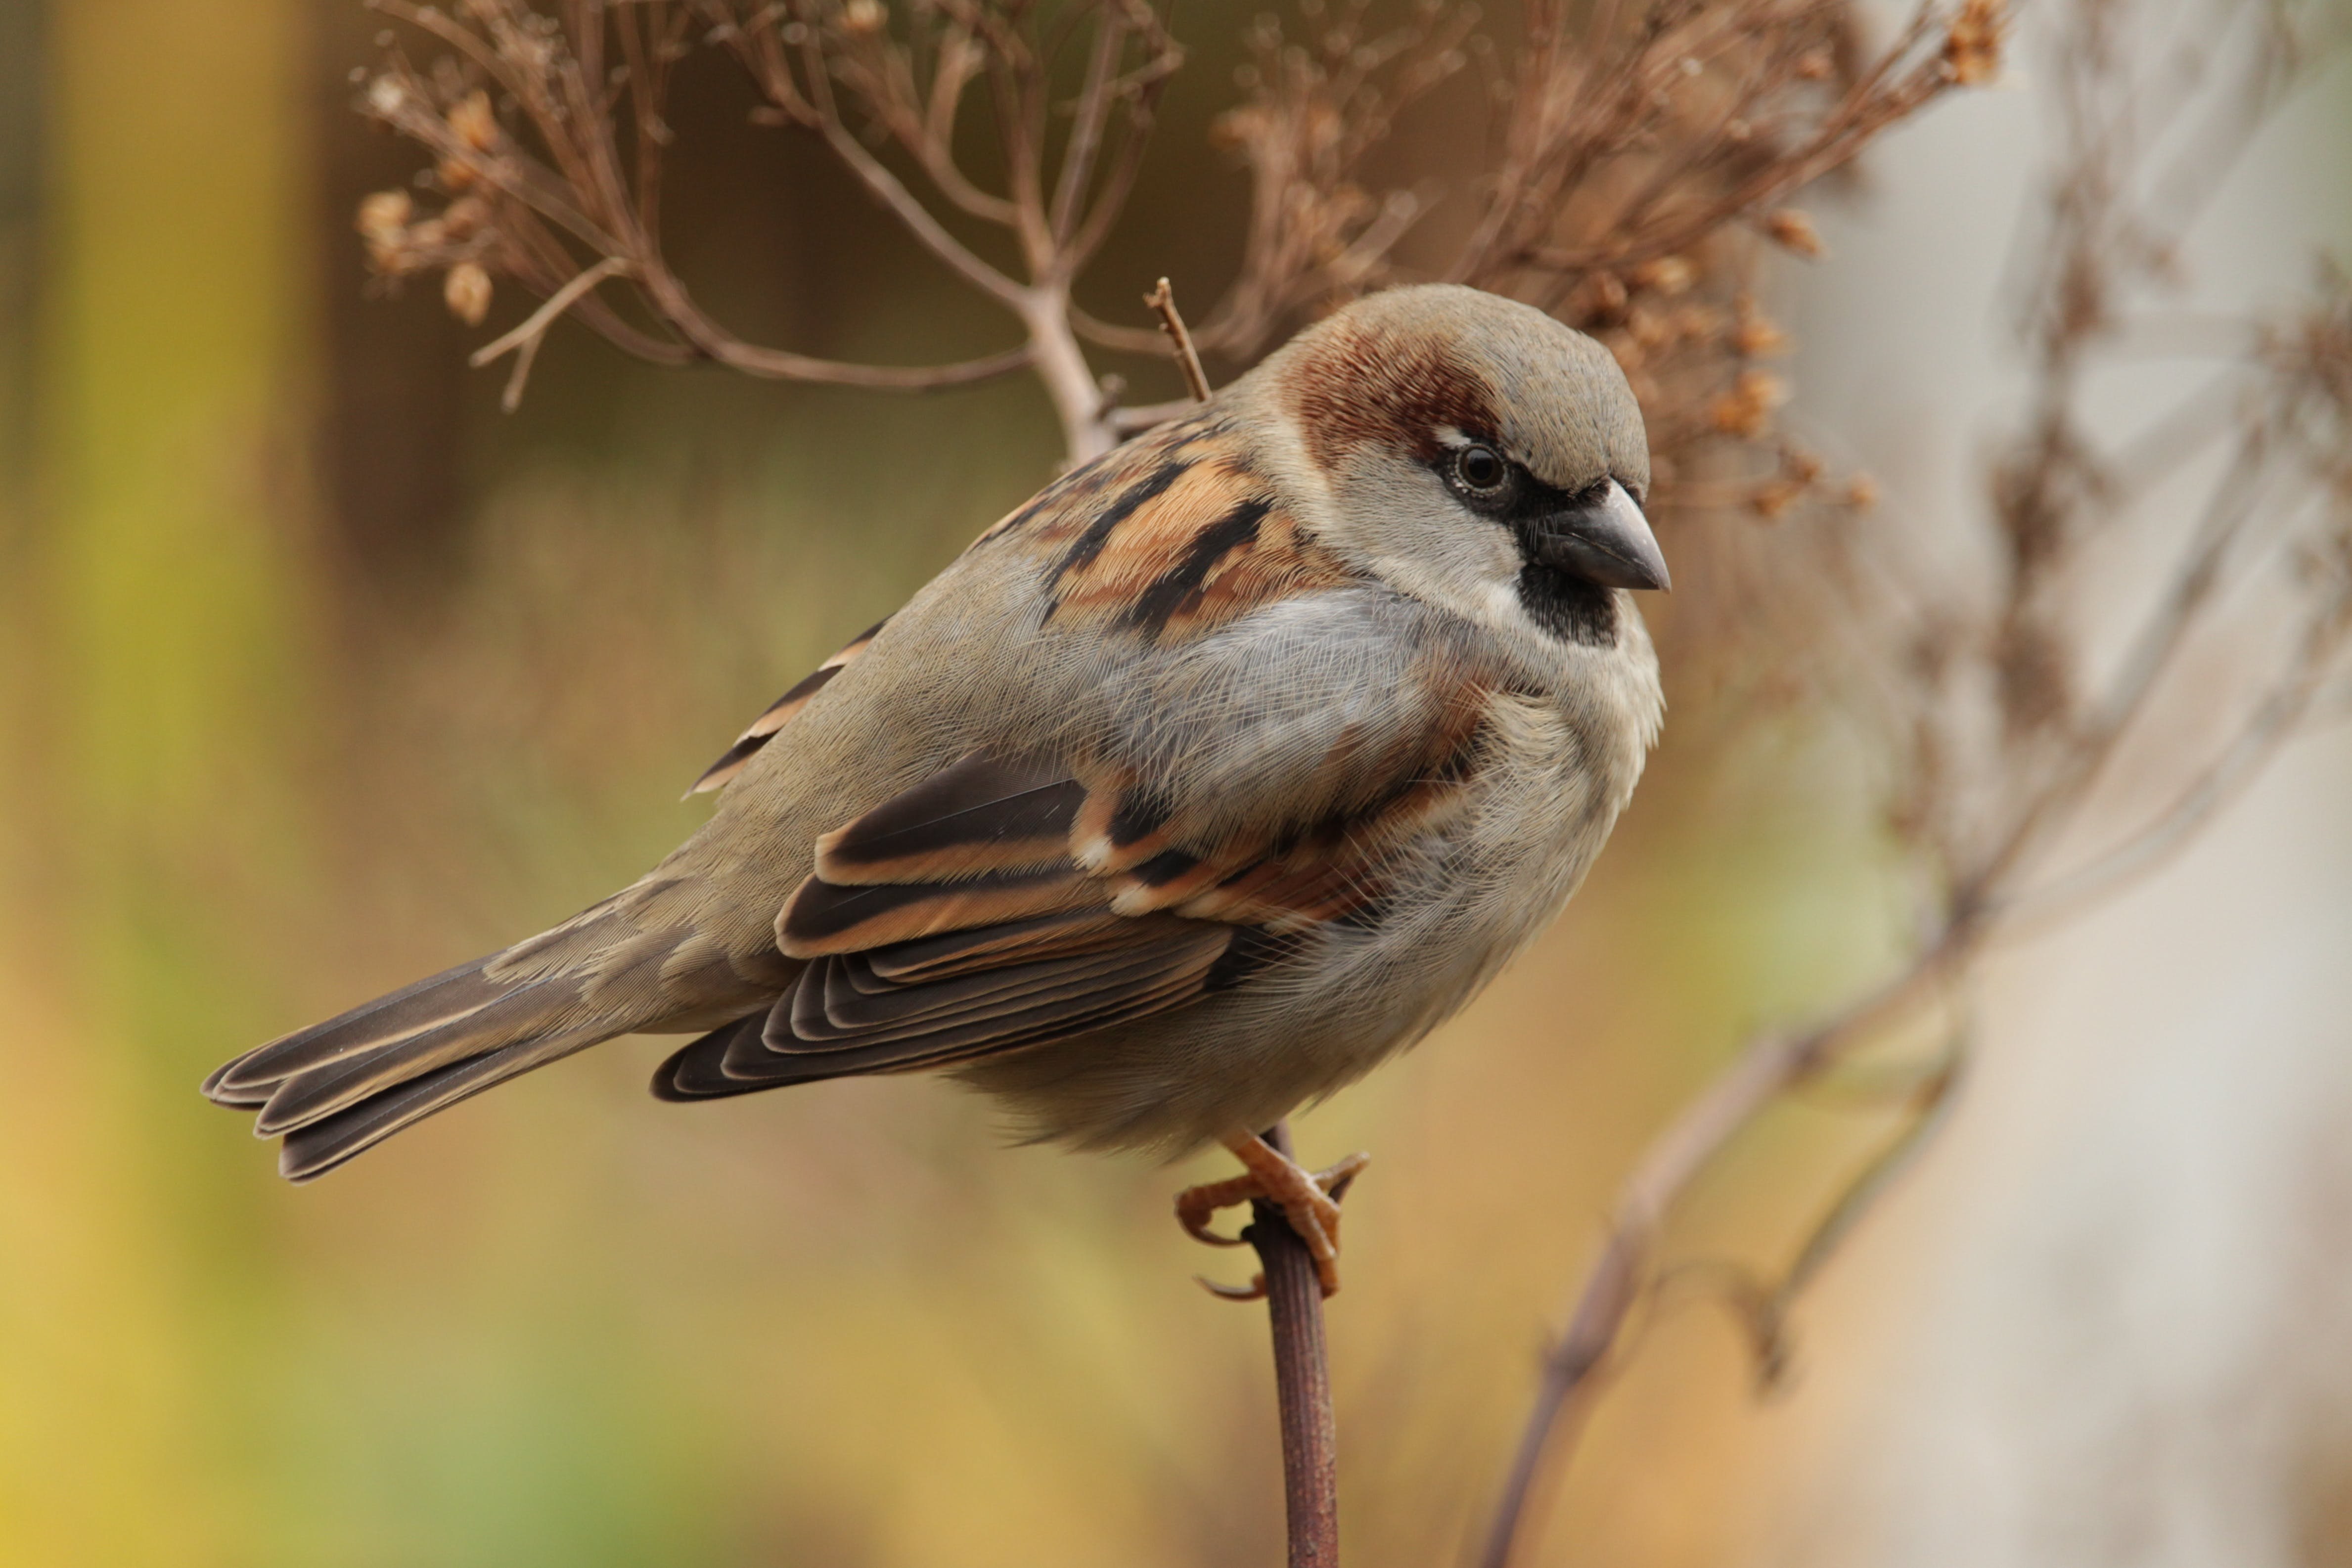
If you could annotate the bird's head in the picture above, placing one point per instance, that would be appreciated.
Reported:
(1471, 451)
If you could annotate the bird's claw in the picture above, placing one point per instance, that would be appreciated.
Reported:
(1253, 1292)
(1309, 1200)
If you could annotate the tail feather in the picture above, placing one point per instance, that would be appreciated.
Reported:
(340, 1086)
(317, 1147)
(530, 1011)
(431, 1003)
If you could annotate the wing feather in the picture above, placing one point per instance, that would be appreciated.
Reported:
(780, 713)
(1251, 797)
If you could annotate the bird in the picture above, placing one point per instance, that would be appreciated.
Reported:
(1223, 769)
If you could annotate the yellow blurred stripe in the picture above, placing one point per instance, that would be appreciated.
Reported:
(169, 565)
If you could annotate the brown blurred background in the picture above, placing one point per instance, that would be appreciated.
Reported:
(318, 672)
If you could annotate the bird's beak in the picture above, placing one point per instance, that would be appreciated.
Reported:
(1608, 542)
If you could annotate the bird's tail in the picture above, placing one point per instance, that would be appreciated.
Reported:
(346, 1084)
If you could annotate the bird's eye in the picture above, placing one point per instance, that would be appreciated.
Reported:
(1480, 469)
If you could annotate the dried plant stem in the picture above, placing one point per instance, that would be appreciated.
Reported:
(1163, 301)
(1770, 1065)
(524, 340)
(1302, 1379)
(1060, 363)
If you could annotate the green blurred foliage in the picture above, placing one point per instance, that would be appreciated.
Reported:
(318, 674)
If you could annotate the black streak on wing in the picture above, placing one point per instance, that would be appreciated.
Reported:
(1090, 543)
(801, 691)
(1164, 868)
(821, 910)
(1141, 812)
(977, 805)
(1181, 582)
(774, 716)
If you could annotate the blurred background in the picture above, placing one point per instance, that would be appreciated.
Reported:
(318, 672)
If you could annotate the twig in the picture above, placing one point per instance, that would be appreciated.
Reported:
(523, 341)
(1302, 1379)
(1163, 301)
(2037, 787)
(1574, 1369)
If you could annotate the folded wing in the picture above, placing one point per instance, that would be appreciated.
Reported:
(1008, 902)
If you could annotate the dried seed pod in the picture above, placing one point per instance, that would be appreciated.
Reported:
(1747, 408)
(1972, 46)
(1756, 335)
(382, 214)
(1794, 230)
(466, 216)
(1668, 275)
(1773, 500)
(467, 292)
(473, 123)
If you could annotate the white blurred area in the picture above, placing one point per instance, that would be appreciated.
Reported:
(2107, 1319)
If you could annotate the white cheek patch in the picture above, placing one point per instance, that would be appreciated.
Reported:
(1504, 610)
(1463, 563)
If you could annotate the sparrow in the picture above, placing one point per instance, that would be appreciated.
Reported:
(1226, 768)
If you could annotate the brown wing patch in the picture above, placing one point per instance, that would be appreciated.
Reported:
(1071, 504)
(1214, 547)
(820, 918)
(981, 815)
(1002, 903)
(1169, 536)
(781, 713)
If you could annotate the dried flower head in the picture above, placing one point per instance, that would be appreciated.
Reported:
(1747, 408)
(1773, 500)
(1668, 275)
(467, 292)
(1792, 230)
(473, 123)
(1972, 45)
(382, 214)
(1754, 335)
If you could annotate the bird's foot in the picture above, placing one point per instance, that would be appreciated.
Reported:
(1308, 1200)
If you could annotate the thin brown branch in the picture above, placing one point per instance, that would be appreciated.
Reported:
(1302, 1376)
(1108, 335)
(1093, 114)
(1140, 417)
(1162, 303)
(894, 195)
(1763, 1069)
(523, 341)
(2240, 761)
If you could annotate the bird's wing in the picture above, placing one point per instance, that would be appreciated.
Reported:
(780, 713)
(1253, 787)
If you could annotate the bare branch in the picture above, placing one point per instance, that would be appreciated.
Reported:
(2054, 489)
(525, 338)
(1162, 300)
(1764, 1069)
(1294, 1298)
